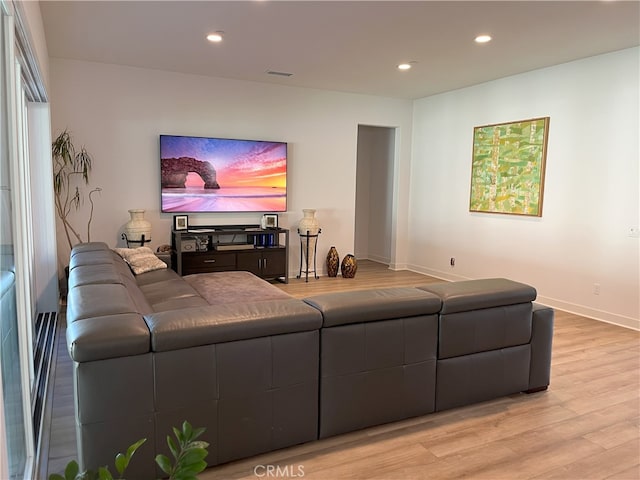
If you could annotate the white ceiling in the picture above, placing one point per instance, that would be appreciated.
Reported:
(340, 45)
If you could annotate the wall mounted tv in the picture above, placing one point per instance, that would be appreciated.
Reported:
(201, 174)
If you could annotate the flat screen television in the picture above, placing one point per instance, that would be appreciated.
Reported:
(211, 175)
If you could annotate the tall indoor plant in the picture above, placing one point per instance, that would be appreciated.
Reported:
(71, 171)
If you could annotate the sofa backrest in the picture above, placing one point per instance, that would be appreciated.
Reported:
(482, 315)
(104, 314)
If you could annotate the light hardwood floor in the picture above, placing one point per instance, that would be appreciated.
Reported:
(586, 426)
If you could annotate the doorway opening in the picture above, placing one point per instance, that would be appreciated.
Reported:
(374, 193)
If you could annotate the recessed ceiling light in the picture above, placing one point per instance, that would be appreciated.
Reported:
(215, 37)
(279, 74)
(483, 38)
(406, 66)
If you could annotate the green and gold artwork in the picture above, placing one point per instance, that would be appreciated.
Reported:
(507, 173)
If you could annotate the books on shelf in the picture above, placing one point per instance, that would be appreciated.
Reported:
(233, 246)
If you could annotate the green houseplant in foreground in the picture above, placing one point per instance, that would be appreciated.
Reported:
(188, 453)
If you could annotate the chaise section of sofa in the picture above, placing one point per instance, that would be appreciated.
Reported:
(150, 352)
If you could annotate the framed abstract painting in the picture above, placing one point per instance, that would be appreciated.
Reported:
(508, 167)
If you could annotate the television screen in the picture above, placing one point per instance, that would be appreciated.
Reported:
(222, 175)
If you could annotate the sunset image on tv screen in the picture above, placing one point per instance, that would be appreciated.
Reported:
(222, 175)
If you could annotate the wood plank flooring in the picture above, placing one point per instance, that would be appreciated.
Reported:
(586, 426)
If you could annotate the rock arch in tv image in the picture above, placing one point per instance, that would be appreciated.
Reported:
(174, 172)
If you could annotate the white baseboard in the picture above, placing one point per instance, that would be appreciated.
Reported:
(600, 315)
(376, 258)
(398, 266)
(437, 273)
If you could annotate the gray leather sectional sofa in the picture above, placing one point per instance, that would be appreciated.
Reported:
(152, 350)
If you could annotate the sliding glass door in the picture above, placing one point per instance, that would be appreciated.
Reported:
(17, 443)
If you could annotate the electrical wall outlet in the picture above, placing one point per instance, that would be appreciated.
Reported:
(452, 262)
(596, 289)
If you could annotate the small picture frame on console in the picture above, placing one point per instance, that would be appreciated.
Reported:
(181, 222)
(270, 220)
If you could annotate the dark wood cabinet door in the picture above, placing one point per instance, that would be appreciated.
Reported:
(267, 263)
(274, 263)
(250, 262)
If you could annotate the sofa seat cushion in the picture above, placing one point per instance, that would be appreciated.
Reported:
(155, 276)
(173, 289)
(190, 327)
(136, 295)
(482, 293)
(178, 303)
(233, 287)
(343, 308)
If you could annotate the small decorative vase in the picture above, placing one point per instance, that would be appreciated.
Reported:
(137, 230)
(333, 260)
(349, 266)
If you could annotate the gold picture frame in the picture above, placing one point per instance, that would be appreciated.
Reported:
(508, 167)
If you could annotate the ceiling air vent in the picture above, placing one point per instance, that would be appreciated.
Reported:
(279, 74)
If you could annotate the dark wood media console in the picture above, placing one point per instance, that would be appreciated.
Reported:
(219, 248)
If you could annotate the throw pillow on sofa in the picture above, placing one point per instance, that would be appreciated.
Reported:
(141, 259)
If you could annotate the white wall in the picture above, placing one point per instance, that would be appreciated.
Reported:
(118, 112)
(591, 193)
(591, 189)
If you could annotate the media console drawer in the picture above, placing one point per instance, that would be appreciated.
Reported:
(199, 262)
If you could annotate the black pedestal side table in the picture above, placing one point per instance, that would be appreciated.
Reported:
(307, 242)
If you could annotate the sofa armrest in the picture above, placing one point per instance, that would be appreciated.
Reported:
(190, 327)
(343, 308)
(541, 343)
